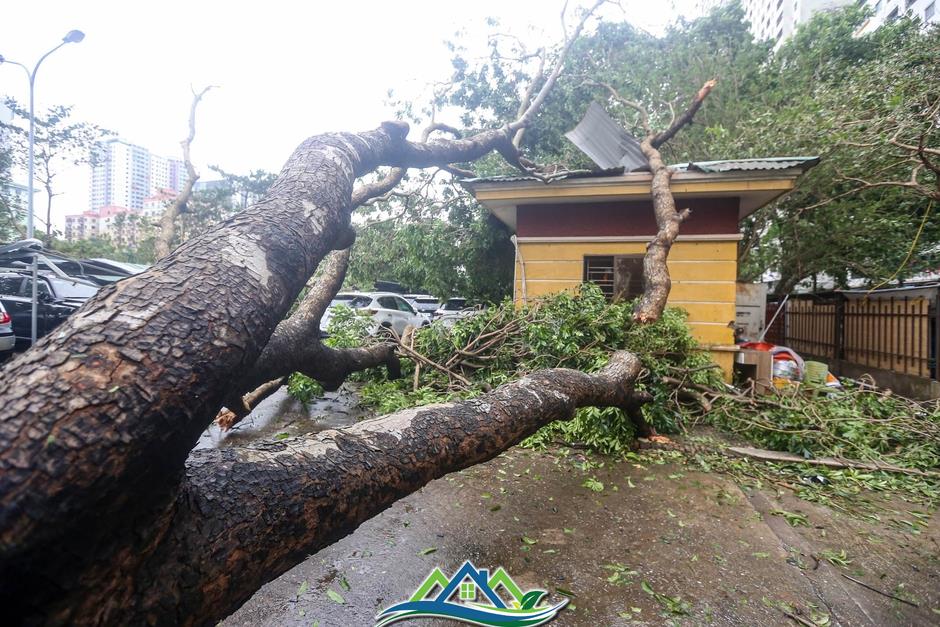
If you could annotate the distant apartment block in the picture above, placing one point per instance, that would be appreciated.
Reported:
(122, 225)
(18, 197)
(154, 205)
(777, 19)
(126, 174)
(886, 11)
(119, 224)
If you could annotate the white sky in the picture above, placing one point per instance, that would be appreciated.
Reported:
(285, 70)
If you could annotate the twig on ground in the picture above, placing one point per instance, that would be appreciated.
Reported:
(881, 592)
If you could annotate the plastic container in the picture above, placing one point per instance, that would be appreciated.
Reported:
(786, 368)
(815, 373)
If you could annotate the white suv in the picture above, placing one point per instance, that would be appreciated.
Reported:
(386, 309)
(7, 339)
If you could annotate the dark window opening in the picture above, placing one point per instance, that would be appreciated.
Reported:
(619, 277)
(600, 271)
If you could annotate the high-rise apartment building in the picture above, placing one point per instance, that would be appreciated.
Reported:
(777, 19)
(126, 174)
(886, 11)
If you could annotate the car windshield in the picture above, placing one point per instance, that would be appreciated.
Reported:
(455, 304)
(359, 302)
(68, 289)
(426, 301)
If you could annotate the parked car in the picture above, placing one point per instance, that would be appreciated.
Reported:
(7, 337)
(451, 306)
(424, 303)
(386, 309)
(455, 309)
(58, 298)
(343, 298)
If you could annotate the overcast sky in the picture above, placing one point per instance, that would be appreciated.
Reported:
(285, 69)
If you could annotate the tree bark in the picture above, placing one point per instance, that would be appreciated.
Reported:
(656, 281)
(100, 416)
(245, 515)
(295, 345)
(97, 503)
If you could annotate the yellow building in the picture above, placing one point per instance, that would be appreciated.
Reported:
(595, 228)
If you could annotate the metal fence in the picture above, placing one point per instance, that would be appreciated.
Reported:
(896, 333)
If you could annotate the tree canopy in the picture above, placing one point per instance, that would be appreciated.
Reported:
(824, 92)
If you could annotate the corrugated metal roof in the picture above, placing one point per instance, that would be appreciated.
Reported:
(728, 165)
(743, 165)
(606, 143)
(574, 174)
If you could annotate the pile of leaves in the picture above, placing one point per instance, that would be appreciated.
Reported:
(858, 422)
(569, 330)
(580, 331)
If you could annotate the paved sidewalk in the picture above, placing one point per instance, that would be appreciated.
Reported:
(712, 554)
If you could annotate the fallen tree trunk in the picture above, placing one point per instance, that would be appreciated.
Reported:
(656, 281)
(97, 419)
(100, 416)
(245, 515)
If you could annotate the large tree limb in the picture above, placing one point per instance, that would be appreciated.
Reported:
(149, 360)
(686, 116)
(212, 549)
(164, 239)
(100, 416)
(295, 345)
(656, 281)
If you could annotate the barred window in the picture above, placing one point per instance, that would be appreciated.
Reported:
(600, 271)
(619, 277)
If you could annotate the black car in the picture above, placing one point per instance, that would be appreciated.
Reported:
(58, 298)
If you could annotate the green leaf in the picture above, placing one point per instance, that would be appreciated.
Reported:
(593, 485)
(304, 586)
(335, 596)
(428, 551)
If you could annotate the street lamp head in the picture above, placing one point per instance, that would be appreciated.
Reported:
(73, 36)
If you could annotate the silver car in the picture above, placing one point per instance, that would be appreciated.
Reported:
(7, 338)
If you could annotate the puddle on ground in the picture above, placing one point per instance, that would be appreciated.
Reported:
(282, 414)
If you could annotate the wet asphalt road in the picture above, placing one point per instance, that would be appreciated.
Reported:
(709, 553)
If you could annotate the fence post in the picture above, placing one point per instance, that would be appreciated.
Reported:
(838, 339)
(936, 337)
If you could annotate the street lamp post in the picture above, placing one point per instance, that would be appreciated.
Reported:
(73, 36)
